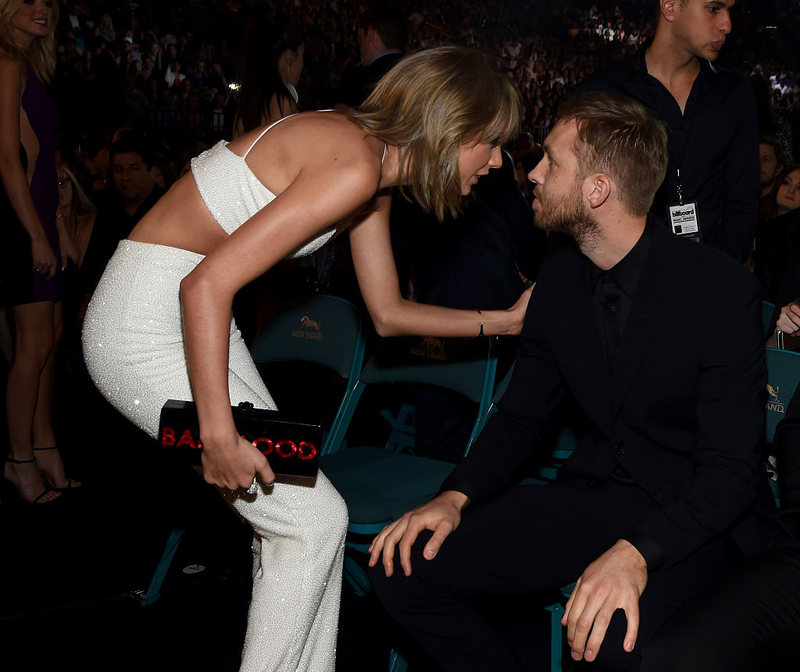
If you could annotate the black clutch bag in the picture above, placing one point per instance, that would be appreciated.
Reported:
(292, 448)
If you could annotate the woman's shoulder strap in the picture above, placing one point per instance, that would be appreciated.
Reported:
(261, 135)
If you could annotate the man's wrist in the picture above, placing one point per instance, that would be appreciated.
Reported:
(650, 552)
(456, 498)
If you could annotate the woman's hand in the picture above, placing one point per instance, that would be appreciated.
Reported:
(789, 320)
(233, 463)
(519, 309)
(44, 261)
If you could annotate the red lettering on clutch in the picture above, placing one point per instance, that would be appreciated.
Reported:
(264, 444)
(286, 448)
(186, 440)
(306, 451)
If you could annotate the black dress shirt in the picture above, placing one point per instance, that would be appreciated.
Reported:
(611, 303)
(713, 142)
(613, 292)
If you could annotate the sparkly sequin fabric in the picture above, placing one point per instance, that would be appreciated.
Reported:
(133, 347)
(233, 194)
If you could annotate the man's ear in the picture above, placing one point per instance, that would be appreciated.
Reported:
(374, 39)
(669, 8)
(372, 36)
(597, 189)
(291, 56)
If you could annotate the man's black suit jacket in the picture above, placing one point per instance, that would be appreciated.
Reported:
(682, 411)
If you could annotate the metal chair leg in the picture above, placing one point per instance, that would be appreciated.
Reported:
(396, 662)
(556, 634)
(153, 592)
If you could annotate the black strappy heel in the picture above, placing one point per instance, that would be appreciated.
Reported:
(72, 484)
(16, 489)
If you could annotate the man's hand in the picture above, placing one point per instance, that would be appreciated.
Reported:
(616, 580)
(441, 515)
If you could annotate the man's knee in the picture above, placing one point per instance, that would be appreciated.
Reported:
(399, 589)
(612, 657)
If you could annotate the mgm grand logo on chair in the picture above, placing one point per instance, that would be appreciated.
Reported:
(310, 329)
(774, 404)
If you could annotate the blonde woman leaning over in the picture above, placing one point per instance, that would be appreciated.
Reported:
(159, 325)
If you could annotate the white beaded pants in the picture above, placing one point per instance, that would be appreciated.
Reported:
(133, 346)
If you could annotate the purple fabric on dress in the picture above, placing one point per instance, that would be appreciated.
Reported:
(43, 117)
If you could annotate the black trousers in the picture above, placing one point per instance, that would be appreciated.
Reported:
(749, 620)
(527, 541)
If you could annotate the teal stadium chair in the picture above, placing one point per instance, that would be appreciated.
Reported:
(381, 483)
(318, 329)
(378, 483)
(783, 377)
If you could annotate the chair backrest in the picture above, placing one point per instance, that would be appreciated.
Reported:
(319, 329)
(783, 376)
(465, 366)
(767, 310)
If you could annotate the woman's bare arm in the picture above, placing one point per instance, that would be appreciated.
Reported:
(317, 199)
(393, 315)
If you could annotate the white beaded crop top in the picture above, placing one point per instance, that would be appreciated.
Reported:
(233, 194)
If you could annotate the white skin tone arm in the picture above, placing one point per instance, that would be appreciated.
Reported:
(15, 181)
(310, 204)
(393, 315)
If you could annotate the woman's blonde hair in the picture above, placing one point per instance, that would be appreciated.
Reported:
(431, 103)
(81, 204)
(42, 52)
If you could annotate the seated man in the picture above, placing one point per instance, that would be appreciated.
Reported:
(665, 487)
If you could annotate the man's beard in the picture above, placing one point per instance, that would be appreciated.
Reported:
(570, 217)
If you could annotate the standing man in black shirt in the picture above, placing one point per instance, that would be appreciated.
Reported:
(711, 190)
